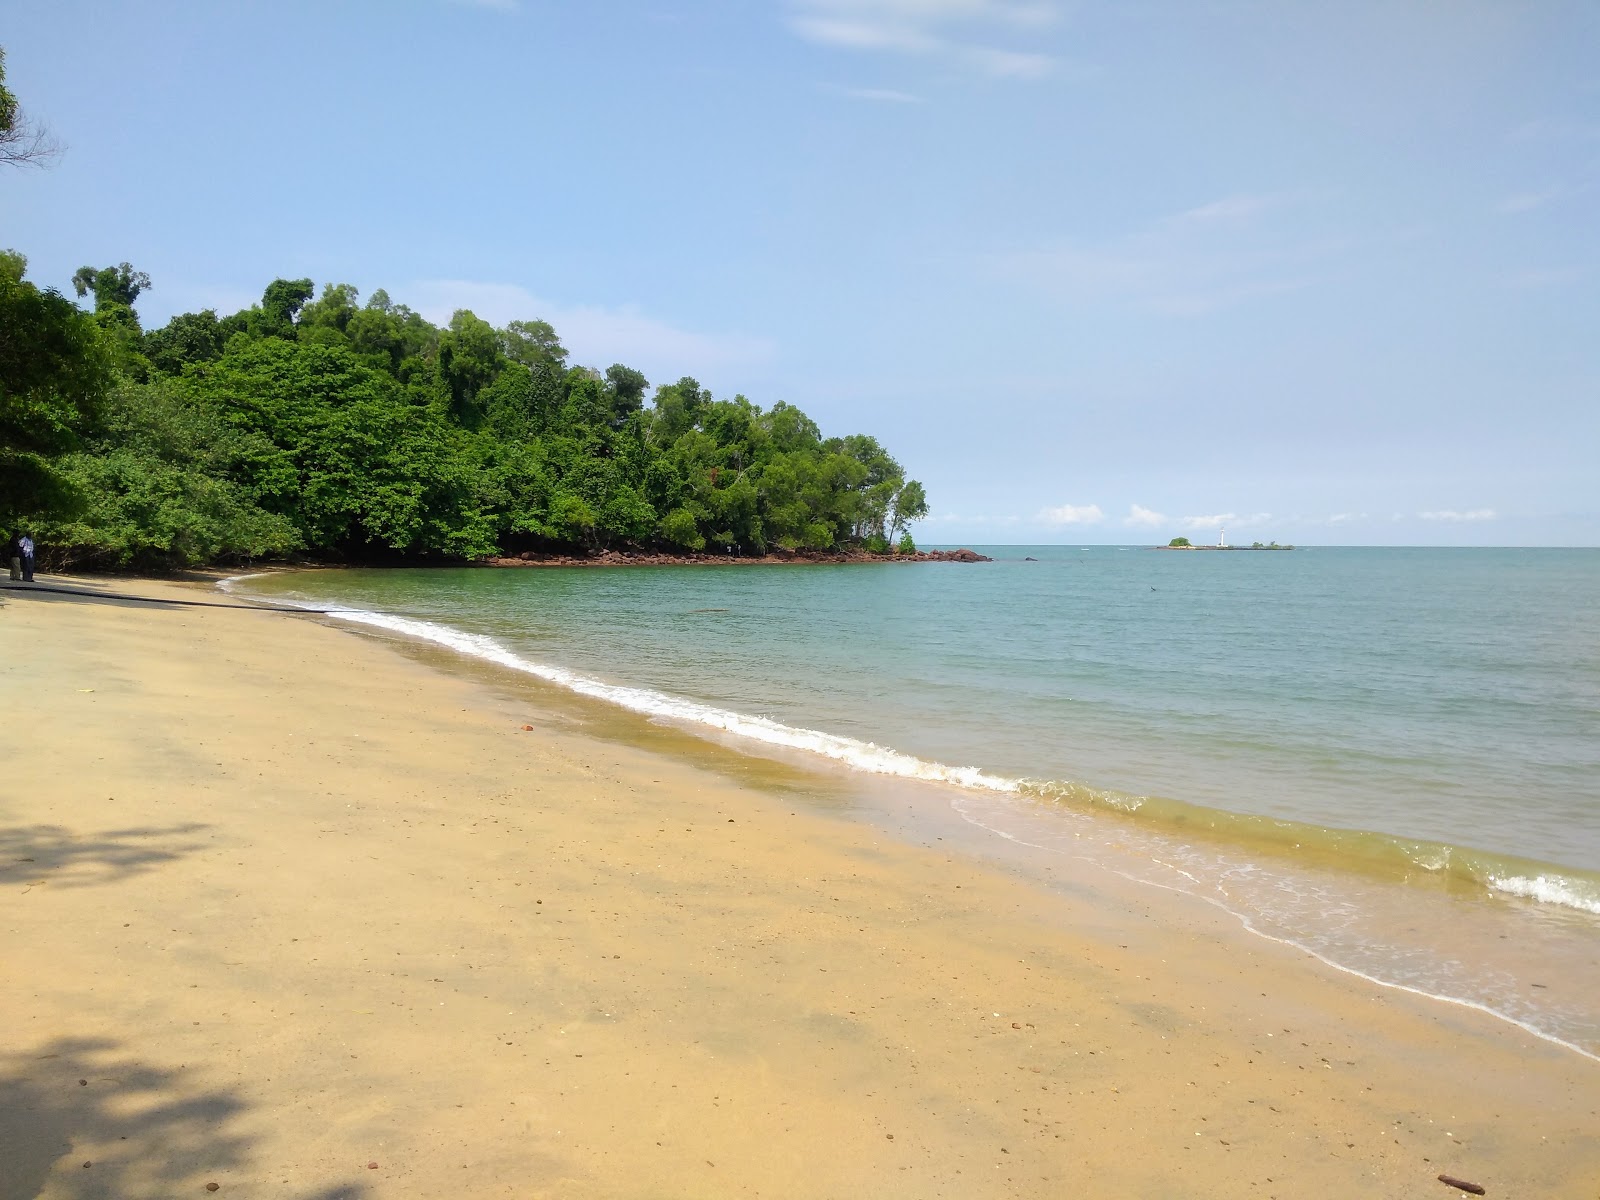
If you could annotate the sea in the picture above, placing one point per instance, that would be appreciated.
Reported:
(1388, 758)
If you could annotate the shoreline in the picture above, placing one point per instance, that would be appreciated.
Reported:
(788, 977)
(651, 558)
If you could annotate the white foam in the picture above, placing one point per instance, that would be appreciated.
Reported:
(862, 756)
(1547, 891)
(858, 755)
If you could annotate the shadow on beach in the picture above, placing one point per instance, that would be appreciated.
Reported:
(45, 591)
(82, 1119)
(50, 854)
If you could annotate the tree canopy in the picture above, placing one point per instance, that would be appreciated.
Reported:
(318, 424)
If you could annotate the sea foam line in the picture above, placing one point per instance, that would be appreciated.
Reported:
(851, 752)
(1250, 927)
(1546, 890)
(862, 756)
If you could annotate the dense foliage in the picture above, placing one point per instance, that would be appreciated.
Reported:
(317, 424)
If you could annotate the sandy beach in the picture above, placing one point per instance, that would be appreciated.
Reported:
(303, 913)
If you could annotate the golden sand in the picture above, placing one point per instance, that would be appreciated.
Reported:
(288, 911)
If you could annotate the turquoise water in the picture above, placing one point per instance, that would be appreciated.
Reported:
(1385, 756)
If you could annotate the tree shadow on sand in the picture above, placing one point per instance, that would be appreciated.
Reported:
(53, 855)
(80, 1119)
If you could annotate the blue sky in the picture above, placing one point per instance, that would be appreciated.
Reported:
(1094, 271)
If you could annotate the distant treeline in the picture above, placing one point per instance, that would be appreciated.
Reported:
(322, 426)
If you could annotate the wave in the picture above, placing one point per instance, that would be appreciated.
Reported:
(858, 755)
(1410, 860)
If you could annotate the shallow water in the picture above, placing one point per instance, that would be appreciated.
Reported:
(1390, 757)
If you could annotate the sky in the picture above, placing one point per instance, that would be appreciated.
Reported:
(1095, 271)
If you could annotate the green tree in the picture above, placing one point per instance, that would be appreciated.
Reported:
(910, 504)
(532, 343)
(469, 360)
(54, 371)
(626, 388)
(115, 289)
(280, 304)
(333, 310)
(187, 339)
(362, 431)
(158, 488)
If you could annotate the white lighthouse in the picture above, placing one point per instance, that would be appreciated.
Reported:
(1222, 539)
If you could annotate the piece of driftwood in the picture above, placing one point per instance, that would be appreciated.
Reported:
(1475, 1189)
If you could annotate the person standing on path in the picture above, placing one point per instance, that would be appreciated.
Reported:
(14, 557)
(25, 545)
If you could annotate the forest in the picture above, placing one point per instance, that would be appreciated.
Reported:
(318, 425)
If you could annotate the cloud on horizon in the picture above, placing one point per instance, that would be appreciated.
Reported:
(1450, 514)
(1072, 514)
(959, 31)
(1147, 518)
(595, 335)
(974, 520)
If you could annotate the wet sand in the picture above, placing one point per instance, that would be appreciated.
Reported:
(280, 902)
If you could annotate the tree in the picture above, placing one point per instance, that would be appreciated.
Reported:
(280, 303)
(1179, 542)
(469, 360)
(531, 343)
(53, 373)
(909, 504)
(627, 388)
(23, 143)
(113, 287)
(366, 431)
(332, 310)
(159, 488)
(186, 339)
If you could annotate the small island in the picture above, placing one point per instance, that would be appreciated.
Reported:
(1183, 543)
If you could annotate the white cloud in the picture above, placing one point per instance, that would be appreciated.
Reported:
(1072, 514)
(1450, 514)
(1230, 208)
(977, 520)
(877, 95)
(1147, 518)
(1521, 202)
(956, 30)
(1237, 520)
(596, 336)
(1216, 521)
(1009, 64)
